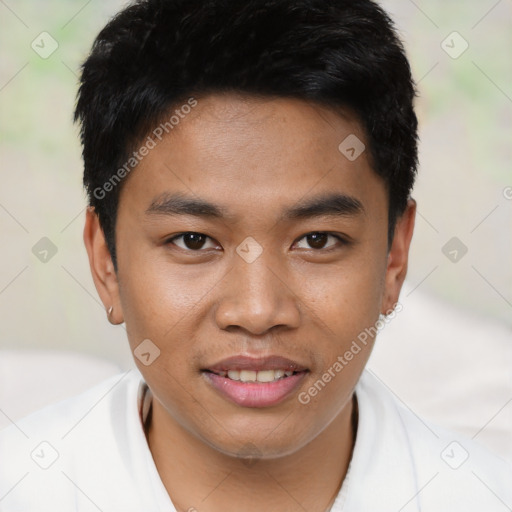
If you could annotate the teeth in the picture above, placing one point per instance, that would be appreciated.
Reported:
(248, 375)
(265, 376)
(253, 376)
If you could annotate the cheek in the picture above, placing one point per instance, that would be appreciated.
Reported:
(157, 298)
(346, 298)
(346, 309)
(161, 307)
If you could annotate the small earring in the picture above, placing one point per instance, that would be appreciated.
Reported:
(109, 311)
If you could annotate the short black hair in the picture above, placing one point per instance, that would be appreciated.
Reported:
(157, 54)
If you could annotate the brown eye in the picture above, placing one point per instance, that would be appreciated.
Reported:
(318, 240)
(191, 241)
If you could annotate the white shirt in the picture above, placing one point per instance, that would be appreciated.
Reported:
(90, 453)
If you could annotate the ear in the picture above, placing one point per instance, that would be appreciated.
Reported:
(102, 268)
(398, 256)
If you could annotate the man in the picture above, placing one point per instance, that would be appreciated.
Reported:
(249, 168)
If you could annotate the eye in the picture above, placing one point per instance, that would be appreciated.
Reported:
(191, 241)
(318, 240)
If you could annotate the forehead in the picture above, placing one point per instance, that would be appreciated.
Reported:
(245, 152)
(265, 130)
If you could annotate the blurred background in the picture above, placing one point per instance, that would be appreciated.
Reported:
(461, 255)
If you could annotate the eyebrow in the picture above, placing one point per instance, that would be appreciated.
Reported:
(327, 205)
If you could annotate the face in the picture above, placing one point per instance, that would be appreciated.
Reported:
(248, 246)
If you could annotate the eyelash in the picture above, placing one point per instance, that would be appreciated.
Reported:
(342, 241)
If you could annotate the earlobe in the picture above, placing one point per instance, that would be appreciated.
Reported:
(102, 267)
(398, 257)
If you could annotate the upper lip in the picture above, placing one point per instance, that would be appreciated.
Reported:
(272, 362)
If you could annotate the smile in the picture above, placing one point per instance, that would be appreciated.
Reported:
(256, 376)
(250, 381)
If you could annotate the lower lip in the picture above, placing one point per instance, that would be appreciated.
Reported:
(255, 394)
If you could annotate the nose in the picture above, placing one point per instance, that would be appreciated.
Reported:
(256, 297)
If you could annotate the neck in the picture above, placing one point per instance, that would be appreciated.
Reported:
(199, 477)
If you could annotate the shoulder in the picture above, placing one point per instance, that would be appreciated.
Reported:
(447, 470)
(67, 414)
(44, 452)
(456, 469)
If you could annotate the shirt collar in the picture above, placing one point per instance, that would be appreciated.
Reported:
(381, 452)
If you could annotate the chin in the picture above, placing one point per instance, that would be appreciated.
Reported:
(261, 444)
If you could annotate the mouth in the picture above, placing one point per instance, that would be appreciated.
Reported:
(255, 382)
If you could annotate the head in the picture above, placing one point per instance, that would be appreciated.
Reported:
(249, 168)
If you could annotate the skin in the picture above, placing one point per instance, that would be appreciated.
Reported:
(200, 304)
